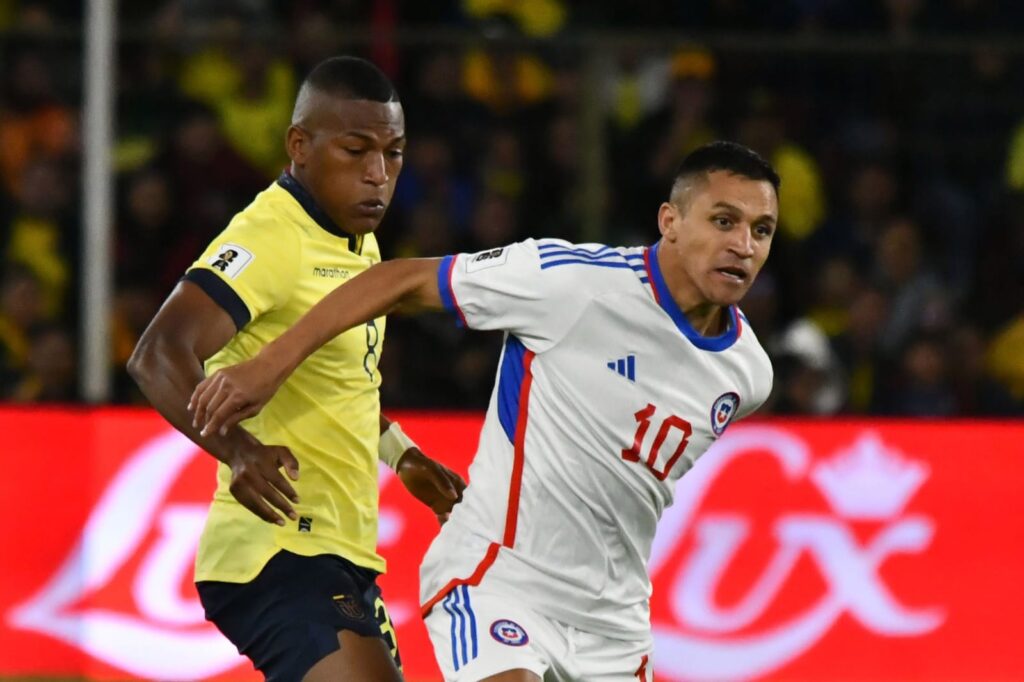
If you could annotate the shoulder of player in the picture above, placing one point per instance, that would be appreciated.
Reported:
(756, 358)
(593, 268)
(262, 228)
(274, 211)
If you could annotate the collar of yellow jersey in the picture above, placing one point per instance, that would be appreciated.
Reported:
(319, 216)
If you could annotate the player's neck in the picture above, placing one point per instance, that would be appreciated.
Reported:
(706, 318)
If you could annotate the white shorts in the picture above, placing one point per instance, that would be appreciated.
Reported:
(477, 634)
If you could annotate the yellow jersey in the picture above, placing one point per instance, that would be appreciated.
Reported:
(276, 259)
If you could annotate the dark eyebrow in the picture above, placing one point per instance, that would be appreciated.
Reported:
(726, 205)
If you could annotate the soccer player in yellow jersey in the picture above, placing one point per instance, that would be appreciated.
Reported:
(297, 593)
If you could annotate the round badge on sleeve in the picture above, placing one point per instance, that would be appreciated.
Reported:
(723, 411)
(509, 632)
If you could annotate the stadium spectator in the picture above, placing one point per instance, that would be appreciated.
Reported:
(39, 233)
(498, 146)
(21, 309)
(921, 385)
(49, 375)
(33, 122)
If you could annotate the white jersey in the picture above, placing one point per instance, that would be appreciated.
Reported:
(605, 396)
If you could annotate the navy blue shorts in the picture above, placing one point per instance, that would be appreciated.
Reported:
(288, 618)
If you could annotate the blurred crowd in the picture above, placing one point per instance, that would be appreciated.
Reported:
(895, 284)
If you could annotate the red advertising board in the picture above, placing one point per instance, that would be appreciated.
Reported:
(795, 550)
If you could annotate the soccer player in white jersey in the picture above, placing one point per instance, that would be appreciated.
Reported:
(621, 367)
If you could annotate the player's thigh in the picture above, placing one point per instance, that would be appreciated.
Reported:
(605, 659)
(358, 658)
(480, 636)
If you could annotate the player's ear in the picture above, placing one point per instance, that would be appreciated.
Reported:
(297, 143)
(668, 221)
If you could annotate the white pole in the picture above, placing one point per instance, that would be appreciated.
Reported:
(97, 200)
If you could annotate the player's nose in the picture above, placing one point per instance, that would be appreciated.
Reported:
(742, 243)
(375, 171)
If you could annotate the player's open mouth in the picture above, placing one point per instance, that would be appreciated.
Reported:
(738, 275)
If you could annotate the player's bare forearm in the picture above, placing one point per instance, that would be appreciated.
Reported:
(168, 365)
(429, 481)
(234, 394)
(405, 285)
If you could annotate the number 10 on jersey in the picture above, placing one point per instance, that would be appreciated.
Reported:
(643, 419)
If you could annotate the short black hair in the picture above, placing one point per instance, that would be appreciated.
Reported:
(731, 157)
(351, 78)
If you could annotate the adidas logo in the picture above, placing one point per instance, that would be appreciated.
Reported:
(624, 367)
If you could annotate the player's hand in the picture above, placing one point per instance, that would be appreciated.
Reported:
(257, 482)
(430, 482)
(231, 395)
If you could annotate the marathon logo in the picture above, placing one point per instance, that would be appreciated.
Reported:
(330, 273)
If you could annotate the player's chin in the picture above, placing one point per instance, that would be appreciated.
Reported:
(361, 224)
(728, 294)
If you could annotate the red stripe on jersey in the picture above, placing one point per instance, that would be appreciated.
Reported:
(650, 275)
(739, 325)
(519, 450)
(455, 300)
(515, 487)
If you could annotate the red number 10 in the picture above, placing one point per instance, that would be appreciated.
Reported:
(643, 418)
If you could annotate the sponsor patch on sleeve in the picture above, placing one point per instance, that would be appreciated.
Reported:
(487, 259)
(231, 259)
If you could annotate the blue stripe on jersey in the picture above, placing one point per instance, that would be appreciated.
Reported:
(639, 267)
(575, 247)
(510, 382)
(665, 300)
(589, 255)
(472, 618)
(448, 608)
(444, 286)
(631, 367)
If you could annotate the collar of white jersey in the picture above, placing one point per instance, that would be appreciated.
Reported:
(664, 298)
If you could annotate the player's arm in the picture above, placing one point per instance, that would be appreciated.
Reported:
(236, 393)
(167, 364)
(429, 481)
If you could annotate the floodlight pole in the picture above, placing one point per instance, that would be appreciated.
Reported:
(97, 200)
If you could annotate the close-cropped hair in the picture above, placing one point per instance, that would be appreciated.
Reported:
(351, 78)
(730, 157)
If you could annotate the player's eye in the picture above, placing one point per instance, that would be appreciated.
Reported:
(722, 221)
(396, 153)
(764, 230)
(355, 151)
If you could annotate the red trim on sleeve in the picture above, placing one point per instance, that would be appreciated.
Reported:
(515, 487)
(451, 290)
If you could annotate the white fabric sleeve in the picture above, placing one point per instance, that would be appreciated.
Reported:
(507, 288)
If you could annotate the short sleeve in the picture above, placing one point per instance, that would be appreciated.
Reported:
(507, 288)
(248, 269)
